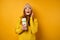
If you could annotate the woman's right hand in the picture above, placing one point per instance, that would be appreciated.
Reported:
(24, 27)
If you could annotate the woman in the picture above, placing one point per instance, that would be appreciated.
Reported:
(28, 32)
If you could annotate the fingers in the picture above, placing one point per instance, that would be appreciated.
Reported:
(24, 27)
(32, 15)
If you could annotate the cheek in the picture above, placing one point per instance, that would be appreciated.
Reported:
(30, 11)
(26, 10)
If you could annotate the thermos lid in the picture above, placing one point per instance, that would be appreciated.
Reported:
(24, 19)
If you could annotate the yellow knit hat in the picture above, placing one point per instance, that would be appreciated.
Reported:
(27, 5)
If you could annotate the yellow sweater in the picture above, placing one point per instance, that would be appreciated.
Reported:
(32, 29)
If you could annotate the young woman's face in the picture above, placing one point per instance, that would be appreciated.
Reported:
(28, 10)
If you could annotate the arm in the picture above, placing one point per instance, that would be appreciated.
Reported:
(34, 25)
(19, 27)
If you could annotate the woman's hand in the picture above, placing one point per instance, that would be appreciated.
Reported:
(32, 15)
(24, 27)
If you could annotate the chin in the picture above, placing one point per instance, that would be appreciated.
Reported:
(27, 14)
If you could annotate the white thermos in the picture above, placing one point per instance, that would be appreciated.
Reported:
(24, 23)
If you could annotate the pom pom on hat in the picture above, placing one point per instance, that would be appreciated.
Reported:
(27, 5)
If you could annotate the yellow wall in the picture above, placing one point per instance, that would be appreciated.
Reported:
(46, 11)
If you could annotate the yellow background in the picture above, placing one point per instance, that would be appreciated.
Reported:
(46, 11)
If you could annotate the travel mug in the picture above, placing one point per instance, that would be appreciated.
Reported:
(24, 24)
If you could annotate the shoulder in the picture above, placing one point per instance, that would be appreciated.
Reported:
(20, 18)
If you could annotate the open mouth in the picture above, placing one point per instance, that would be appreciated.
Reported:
(27, 12)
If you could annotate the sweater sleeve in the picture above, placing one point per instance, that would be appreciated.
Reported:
(19, 27)
(34, 25)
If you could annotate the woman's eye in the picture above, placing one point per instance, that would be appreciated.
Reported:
(29, 8)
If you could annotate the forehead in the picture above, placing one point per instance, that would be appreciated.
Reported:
(27, 7)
